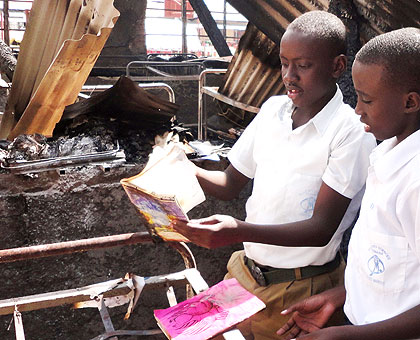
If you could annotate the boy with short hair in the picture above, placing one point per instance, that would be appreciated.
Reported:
(308, 155)
(382, 280)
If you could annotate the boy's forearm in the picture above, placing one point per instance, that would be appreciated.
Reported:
(305, 233)
(224, 185)
(212, 182)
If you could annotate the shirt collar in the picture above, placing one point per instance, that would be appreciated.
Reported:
(322, 119)
(388, 157)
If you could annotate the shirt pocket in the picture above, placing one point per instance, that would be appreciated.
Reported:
(301, 194)
(383, 261)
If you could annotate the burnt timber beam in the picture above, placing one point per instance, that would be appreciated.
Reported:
(211, 28)
(273, 16)
(259, 17)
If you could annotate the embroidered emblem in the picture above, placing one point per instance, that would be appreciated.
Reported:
(308, 205)
(375, 265)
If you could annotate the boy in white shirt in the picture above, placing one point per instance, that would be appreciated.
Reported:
(382, 281)
(308, 156)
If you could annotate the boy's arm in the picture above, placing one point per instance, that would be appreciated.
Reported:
(219, 230)
(401, 327)
(224, 185)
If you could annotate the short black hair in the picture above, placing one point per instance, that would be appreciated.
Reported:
(324, 26)
(399, 53)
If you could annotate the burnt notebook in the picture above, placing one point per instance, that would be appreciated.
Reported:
(165, 190)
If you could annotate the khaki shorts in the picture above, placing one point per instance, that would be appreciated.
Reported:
(278, 297)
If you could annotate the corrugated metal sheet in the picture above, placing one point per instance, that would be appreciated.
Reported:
(62, 41)
(253, 75)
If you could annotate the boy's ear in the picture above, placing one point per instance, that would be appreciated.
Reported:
(340, 65)
(412, 102)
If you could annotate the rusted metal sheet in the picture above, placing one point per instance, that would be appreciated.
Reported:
(62, 41)
(253, 75)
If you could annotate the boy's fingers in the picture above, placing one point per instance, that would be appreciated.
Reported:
(179, 225)
(294, 308)
(286, 327)
(206, 220)
(293, 333)
(297, 307)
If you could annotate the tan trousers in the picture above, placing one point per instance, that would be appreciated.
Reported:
(278, 297)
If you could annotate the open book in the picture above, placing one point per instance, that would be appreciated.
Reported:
(166, 189)
(211, 312)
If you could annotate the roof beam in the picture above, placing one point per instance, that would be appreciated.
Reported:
(211, 28)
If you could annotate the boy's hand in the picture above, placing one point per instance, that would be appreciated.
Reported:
(211, 232)
(330, 333)
(312, 313)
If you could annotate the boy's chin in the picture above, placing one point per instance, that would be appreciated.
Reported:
(367, 128)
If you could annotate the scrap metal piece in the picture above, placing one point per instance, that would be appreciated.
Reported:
(106, 318)
(17, 317)
(108, 289)
(170, 294)
(70, 247)
(23, 167)
(126, 333)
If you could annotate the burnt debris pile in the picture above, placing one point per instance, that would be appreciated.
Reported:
(124, 117)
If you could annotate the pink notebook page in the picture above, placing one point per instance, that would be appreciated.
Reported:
(209, 313)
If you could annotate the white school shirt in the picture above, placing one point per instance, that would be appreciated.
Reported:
(288, 167)
(382, 277)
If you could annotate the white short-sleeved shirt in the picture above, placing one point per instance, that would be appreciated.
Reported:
(288, 167)
(383, 271)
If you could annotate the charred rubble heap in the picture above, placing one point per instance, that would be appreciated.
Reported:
(124, 117)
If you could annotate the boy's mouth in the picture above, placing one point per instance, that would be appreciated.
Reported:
(366, 126)
(293, 93)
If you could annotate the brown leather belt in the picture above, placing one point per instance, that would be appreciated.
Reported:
(265, 275)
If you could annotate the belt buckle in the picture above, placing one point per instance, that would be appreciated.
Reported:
(258, 275)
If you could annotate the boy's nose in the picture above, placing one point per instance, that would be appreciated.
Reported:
(358, 108)
(289, 74)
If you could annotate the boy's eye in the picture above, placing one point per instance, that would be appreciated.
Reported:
(366, 101)
(303, 66)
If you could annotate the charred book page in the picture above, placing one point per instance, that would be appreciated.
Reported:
(165, 190)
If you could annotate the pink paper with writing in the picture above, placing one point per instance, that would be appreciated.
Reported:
(210, 312)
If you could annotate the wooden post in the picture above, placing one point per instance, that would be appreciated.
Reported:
(224, 19)
(211, 28)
